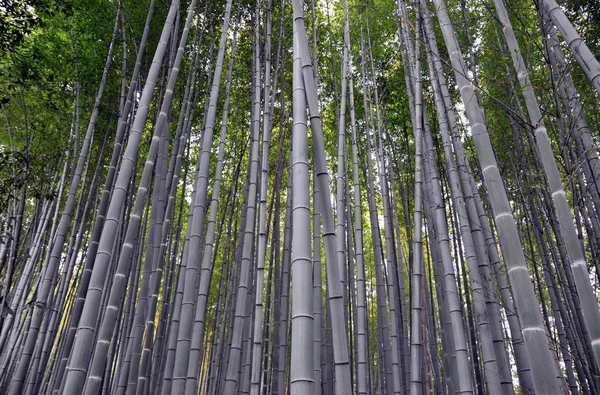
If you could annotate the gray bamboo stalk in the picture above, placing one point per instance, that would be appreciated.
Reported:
(492, 376)
(14, 237)
(102, 208)
(236, 292)
(416, 340)
(432, 331)
(301, 357)
(39, 228)
(123, 268)
(407, 48)
(163, 335)
(266, 339)
(82, 346)
(244, 373)
(520, 353)
(449, 355)
(464, 368)
(171, 184)
(391, 261)
(19, 289)
(385, 352)
(403, 299)
(235, 352)
(574, 108)
(104, 203)
(556, 275)
(224, 293)
(11, 329)
(61, 232)
(327, 350)
(198, 211)
(397, 270)
(533, 330)
(280, 286)
(226, 271)
(279, 384)
(361, 303)
(130, 319)
(164, 207)
(77, 237)
(51, 321)
(578, 47)
(571, 114)
(575, 253)
(554, 302)
(317, 293)
(336, 299)
(197, 343)
(531, 216)
(273, 335)
(268, 103)
(481, 235)
(167, 364)
(341, 156)
(143, 311)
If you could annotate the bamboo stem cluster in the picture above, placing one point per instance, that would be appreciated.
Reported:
(438, 266)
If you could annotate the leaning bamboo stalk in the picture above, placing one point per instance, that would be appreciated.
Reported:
(578, 47)
(533, 330)
(197, 343)
(171, 184)
(575, 253)
(165, 371)
(46, 284)
(140, 376)
(492, 376)
(20, 286)
(77, 237)
(166, 362)
(482, 236)
(102, 207)
(82, 347)
(117, 290)
(143, 311)
(13, 333)
(104, 203)
(6, 323)
(434, 197)
(574, 109)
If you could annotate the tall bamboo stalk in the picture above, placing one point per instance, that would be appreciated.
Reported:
(534, 334)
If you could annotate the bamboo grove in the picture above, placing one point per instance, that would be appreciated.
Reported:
(299, 197)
